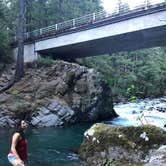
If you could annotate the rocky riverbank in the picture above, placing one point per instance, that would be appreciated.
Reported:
(122, 145)
(61, 94)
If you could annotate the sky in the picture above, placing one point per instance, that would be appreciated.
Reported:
(109, 5)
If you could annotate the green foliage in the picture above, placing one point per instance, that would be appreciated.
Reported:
(41, 13)
(3, 32)
(122, 7)
(44, 62)
(4, 44)
(107, 162)
(11, 15)
(131, 92)
(132, 75)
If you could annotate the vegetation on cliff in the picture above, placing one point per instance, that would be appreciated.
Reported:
(4, 38)
(142, 71)
(54, 11)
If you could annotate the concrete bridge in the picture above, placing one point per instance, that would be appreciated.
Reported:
(99, 33)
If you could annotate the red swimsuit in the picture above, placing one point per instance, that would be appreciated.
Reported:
(21, 149)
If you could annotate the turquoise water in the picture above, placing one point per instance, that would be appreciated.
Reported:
(48, 146)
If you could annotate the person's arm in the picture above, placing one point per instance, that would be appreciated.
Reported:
(15, 140)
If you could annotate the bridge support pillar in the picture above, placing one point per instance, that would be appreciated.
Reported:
(37, 55)
(30, 54)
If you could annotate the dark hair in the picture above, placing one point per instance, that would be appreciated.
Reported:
(18, 128)
(18, 124)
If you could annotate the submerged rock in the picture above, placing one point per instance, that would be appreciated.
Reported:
(62, 94)
(120, 144)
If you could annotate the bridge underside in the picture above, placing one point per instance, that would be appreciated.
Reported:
(146, 38)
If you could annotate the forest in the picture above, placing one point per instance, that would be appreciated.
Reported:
(131, 75)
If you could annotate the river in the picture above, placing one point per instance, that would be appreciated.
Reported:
(147, 111)
(55, 146)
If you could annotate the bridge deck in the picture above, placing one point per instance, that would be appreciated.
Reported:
(90, 21)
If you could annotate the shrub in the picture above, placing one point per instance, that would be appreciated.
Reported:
(45, 62)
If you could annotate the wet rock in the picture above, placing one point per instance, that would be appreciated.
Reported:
(150, 109)
(134, 112)
(160, 109)
(163, 100)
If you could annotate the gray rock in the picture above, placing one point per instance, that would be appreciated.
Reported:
(49, 120)
(10, 122)
(35, 121)
(43, 111)
(65, 92)
(62, 112)
(3, 97)
(158, 158)
(54, 106)
(46, 121)
(3, 122)
(6, 121)
(55, 114)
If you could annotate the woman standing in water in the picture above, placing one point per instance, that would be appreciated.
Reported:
(18, 152)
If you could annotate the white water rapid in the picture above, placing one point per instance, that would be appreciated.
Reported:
(148, 111)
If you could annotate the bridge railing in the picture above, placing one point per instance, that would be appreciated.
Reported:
(89, 19)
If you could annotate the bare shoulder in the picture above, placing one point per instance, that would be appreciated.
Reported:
(16, 135)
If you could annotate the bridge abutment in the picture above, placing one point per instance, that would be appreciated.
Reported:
(30, 54)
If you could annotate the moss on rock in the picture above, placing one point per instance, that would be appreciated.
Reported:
(120, 143)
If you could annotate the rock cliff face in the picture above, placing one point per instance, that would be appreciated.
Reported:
(132, 145)
(62, 94)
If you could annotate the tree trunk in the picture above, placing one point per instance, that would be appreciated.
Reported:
(20, 57)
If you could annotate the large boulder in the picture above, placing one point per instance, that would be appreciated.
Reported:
(132, 145)
(63, 93)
